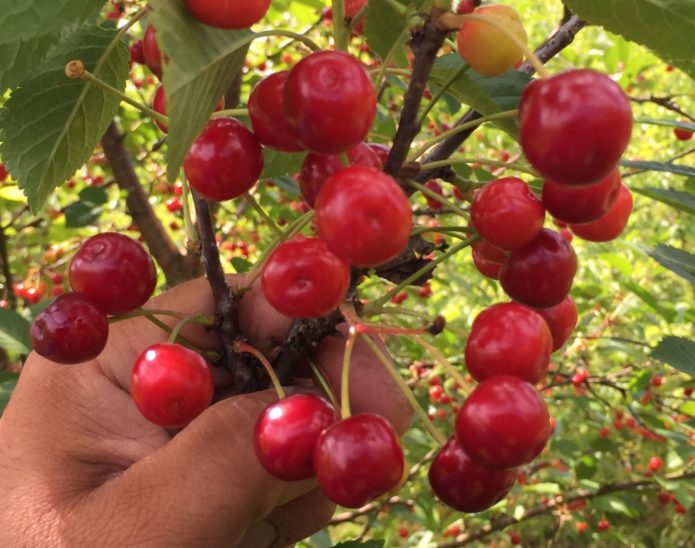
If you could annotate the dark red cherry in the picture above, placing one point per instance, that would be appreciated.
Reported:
(358, 459)
(225, 160)
(540, 274)
(72, 329)
(330, 102)
(171, 385)
(612, 224)
(352, 8)
(581, 204)
(286, 434)
(159, 103)
(561, 319)
(435, 187)
(574, 126)
(137, 54)
(228, 14)
(114, 271)
(503, 423)
(461, 483)
(382, 152)
(151, 52)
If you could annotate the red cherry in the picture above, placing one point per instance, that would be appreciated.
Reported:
(488, 259)
(682, 134)
(580, 376)
(382, 151)
(318, 168)
(228, 14)
(330, 102)
(358, 459)
(509, 339)
(604, 432)
(3, 173)
(465, 7)
(435, 187)
(70, 330)
(656, 381)
(303, 279)
(465, 485)
(540, 273)
(364, 216)
(286, 434)
(574, 126)
(225, 160)
(503, 423)
(656, 464)
(612, 224)
(159, 103)
(267, 114)
(352, 8)
(403, 532)
(581, 204)
(174, 204)
(582, 527)
(561, 319)
(114, 271)
(137, 54)
(486, 267)
(151, 52)
(514, 538)
(506, 213)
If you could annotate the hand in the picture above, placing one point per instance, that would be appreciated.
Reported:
(79, 465)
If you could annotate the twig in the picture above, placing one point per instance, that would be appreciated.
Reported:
(666, 102)
(6, 270)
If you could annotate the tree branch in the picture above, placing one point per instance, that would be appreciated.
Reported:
(6, 270)
(665, 102)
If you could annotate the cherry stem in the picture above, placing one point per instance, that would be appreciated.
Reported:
(308, 42)
(144, 312)
(321, 378)
(345, 159)
(345, 375)
(382, 329)
(234, 112)
(246, 348)
(482, 161)
(441, 229)
(441, 359)
(129, 25)
(341, 32)
(200, 319)
(192, 241)
(267, 219)
(436, 197)
(441, 91)
(384, 69)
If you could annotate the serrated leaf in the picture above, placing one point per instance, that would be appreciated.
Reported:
(14, 332)
(683, 201)
(19, 59)
(51, 125)
(666, 27)
(279, 164)
(666, 167)
(678, 352)
(385, 24)
(676, 260)
(197, 74)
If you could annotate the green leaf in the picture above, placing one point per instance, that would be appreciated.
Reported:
(384, 24)
(197, 75)
(8, 381)
(667, 123)
(666, 27)
(19, 59)
(658, 306)
(360, 544)
(666, 167)
(279, 164)
(678, 352)
(547, 488)
(676, 260)
(241, 265)
(51, 125)
(14, 332)
(683, 201)
(87, 209)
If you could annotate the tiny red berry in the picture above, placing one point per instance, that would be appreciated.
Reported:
(228, 14)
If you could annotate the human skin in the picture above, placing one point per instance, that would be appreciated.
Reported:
(80, 466)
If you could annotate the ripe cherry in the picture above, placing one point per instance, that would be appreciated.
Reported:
(435, 187)
(581, 204)
(612, 224)
(286, 434)
(574, 126)
(582, 527)
(488, 259)
(159, 103)
(151, 52)
(352, 8)
(114, 271)
(603, 525)
(72, 329)
(364, 216)
(561, 319)
(358, 459)
(174, 204)
(540, 274)
(303, 279)
(655, 464)
(465, 485)
(509, 339)
(137, 54)
(506, 213)
(503, 423)
(267, 114)
(225, 160)
(320, 91)
(682, 134)
(228, 14)
(171, 385)
(465, 6)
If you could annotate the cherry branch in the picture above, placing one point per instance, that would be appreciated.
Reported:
(666, 102)
(6, 270)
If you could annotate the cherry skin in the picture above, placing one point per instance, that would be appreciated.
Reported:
(114, 271)
(352, 8)
(682, 134)
(228, 14)
(151, 52)
(137, 54)
(382, 152)
(318, 168)
(286, 434)
(506, 213)
(612, 224)
(225, 160)
(72, 329)
(503, 423)
(465, 6)
(574, 127)
(486, 48)
(561, 319)
(171, 385)
(435, 187)
(358, 459)
(267, 114)
(461, 483)
(509, 339)
(540, 274)
(330, 102)
(581, 204)
(303, 279)
(364, 216)
(159, 103)
(486, 267)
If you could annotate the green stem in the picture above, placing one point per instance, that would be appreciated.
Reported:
(263, 214)
(340, 30)
(436, 197)
(233, 112)
(441, 91)
(321, 378)
(345, 376)
(345, 159)
(441, 360)
(482, 161)
(200, 319)
(308, 42)
(189, 227)
(384, 66)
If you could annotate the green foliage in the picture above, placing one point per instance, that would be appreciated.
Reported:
(8, 381)
(87, 209)
(14, 332)
(385, 26)
(677, 352)
(676, 260)
(18, 59)
(681, 200)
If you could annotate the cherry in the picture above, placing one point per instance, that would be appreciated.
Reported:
(465, 6)
(159, 103)
(228, 14)
(70, 330)
(657, 380)
(540, 274)
(682, 134)
(267, 114)
(486, 267)
(506, 213)
(581, 204)
(330, 102)
(612, 224)
(171, 385)
(574, 126)
(465, 485)
(503, 423)
(582, 527)
(114, 271)
(352, 8)
(151, 52)
(286, 434)
(174, 204)
(435, 187)
(358, 459)
(655, 464)
(137, 54)
(509, 339)
(317, 169)
(303, 279)
(561, 319)
(603, 525)
(225, 160)
(382, 151)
